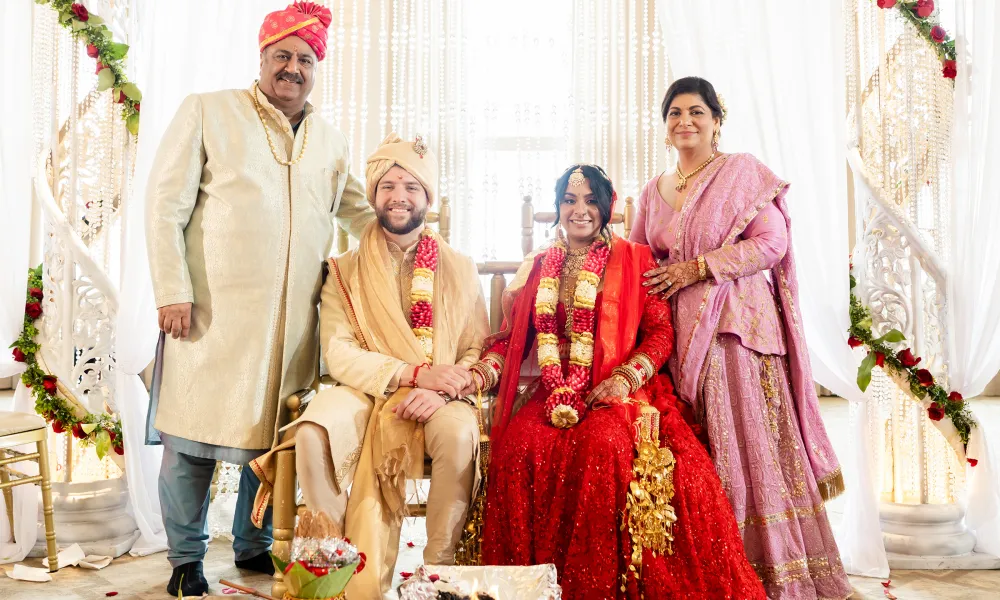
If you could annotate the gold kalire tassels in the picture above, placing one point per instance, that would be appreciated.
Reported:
(469, 551)
(650, 517)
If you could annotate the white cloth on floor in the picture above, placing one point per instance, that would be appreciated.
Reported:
(26, 573)
(74, 556)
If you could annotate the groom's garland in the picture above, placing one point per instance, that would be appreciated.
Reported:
(566, 404)
(422, 293)
(901, 366)
(102, 430)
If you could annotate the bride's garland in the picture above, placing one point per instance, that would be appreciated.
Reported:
(901, 365)
(422, 293)
(102, 430)
(565, 404)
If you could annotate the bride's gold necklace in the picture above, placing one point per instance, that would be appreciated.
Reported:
(682, 179)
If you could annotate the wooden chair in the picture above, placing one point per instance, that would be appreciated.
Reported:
(18, 428)
(283, 499)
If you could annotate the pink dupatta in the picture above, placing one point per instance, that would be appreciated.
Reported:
(728, 197)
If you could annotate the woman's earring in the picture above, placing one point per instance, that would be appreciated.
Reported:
(715, 141)
(666, 140)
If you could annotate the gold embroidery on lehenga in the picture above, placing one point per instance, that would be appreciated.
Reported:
(796, 512)
(796, 570)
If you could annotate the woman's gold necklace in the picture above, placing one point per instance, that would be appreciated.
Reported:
(682, 179)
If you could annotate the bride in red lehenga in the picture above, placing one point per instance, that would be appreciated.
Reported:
(598, 472)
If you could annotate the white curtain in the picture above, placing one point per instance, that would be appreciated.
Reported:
(779, 66)
(974, 326)
(15, 178)
(168, 68)
(15, 229)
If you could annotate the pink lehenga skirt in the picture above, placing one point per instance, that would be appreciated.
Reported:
(747, 410)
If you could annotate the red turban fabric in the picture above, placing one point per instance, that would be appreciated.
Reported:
(306, 20)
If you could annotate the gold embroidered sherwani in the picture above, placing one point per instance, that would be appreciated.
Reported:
(243, 238)
(367, 341)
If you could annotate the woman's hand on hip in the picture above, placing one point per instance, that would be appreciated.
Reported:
(672, 278)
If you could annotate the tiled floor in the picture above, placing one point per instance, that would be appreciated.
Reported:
(146, 577)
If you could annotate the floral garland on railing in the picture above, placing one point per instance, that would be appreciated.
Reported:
(102, 430)
(921, 14)
(110, 56)
(901, 366)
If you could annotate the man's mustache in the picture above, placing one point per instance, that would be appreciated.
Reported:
(292, 77)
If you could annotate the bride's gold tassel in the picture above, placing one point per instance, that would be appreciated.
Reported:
(469, 551)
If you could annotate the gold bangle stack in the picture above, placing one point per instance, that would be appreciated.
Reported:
(630, 376)
(489, 368)
(702, 269)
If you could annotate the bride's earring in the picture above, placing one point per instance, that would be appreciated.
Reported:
(666, 140)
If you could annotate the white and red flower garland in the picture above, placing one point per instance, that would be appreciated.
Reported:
(102, 430)
(566, 404)
(422, 293)
(922, 15)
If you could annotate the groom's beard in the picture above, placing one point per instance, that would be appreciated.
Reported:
(416, 220)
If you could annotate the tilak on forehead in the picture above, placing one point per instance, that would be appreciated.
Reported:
(306, 20)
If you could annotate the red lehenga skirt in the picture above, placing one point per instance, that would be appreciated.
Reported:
(560, 495)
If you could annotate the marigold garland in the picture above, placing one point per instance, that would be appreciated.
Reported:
(110, 55)
(422, 293)
(102, 430)
(565, 405)
(902, 365)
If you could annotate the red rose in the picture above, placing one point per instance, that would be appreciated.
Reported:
(92, 51)
(120, 450)
(906, 357)
(136, 107)
(949, 69)
(36, 293)
(49, 383)
(938, 33)
(854, 342)
(955, 397)
(434, 577)
(18, 355)
(33, 309)
(100, 67)
(880, 359)
(886, 3)
(925, 378)
(57, 427)
(924, 8)
(972, 462)
(78, 431)
(935, 412)
(111, 434)
(80, 11)
(119, 96)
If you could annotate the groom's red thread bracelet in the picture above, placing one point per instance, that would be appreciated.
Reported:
(416, 370)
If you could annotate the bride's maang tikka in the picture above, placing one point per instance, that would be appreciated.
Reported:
(577, 177)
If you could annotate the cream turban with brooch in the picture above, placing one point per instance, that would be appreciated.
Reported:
(414, 156)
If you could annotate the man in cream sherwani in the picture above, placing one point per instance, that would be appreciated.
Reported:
(243, 198)
(402, 373)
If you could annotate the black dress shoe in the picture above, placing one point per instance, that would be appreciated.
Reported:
(188, 579)
(261, 564)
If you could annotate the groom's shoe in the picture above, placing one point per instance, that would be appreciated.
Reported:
(188, 579)
(261, 563)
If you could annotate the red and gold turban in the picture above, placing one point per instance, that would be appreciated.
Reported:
(306, 20)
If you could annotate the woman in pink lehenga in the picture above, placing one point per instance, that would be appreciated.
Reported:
(719, 226)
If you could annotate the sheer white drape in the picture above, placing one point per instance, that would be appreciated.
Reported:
(779, 66)
(169, 66)
(974, 266)
(16, 158)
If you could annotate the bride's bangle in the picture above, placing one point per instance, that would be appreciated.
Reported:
(702, 268)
